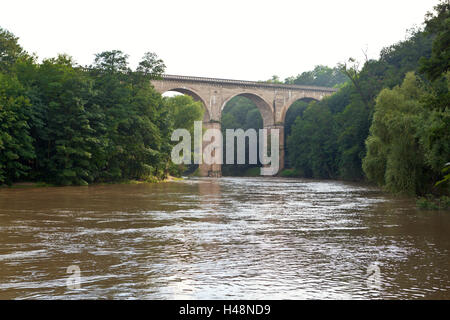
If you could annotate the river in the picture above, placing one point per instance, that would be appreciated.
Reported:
(228, 238)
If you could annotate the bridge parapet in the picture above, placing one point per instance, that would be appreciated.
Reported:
(243, 83)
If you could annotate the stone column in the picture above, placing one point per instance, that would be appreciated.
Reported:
(280, 128)
(215, 169)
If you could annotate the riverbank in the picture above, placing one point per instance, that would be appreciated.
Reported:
(433, 203)
(29, 184)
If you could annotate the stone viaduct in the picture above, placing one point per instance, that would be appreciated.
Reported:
(273, 101)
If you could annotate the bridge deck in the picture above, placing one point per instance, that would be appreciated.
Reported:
(253, 84)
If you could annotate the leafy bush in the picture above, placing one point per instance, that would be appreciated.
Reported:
(290, 173)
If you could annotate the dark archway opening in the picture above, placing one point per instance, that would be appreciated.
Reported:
(240, 113)
(295, 110)
(185, 108)
(182, 91)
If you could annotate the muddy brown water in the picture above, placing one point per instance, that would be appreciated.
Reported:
(228, 238)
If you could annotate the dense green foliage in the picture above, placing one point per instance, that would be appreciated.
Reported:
(184, 111)
(381, 125)
(15, 141)
(349, 111)
(409, 142)
(294, 111)
(433, 203)
(316, 157)
(438, 25)
(321, 76)
(65, 124)
(395, 156)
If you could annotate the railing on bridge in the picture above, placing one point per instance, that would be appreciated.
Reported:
(217, 81)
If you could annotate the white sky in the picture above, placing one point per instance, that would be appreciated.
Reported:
(235, 39)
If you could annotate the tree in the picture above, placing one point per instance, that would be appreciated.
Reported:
(321, 76)
(10, 50)
(139, 137)
(352, 107)
(151, 66)
(351, 70)
(394, 155)
(133, 131)
(274, 79)
(64, 124)
(64, 144)
(312, 148)
(352, 126)
(16, 149)
(111, 61)
(438, 25)
(184, 111)
(433, 134)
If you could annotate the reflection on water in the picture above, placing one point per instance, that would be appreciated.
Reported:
(240, 238)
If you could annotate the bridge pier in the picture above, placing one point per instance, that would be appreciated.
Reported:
(215, 170)
(210, 170)
(280, 127)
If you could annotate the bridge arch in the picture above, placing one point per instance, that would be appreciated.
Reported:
(263, 106)
(192, 93)
(246, 111)
(292, 102)
(295, 109)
